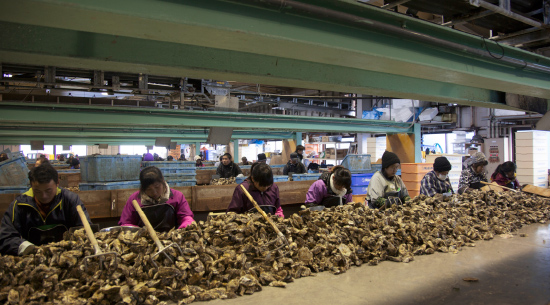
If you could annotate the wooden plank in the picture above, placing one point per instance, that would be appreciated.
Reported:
(122, 199)
(402, 145)
(69, 179)
(293, 192)
(98, 203)
(187, 192)
(5, 201)
(212, 197)
(204, 176)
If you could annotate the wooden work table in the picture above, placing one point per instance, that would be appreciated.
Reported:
(207, 198)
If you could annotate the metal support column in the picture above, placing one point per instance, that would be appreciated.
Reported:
(417, 143)
(236, 151)
(298, 138)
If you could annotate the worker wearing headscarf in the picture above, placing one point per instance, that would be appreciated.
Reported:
(474, 174)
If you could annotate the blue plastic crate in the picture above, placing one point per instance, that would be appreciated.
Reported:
(110, 168)
(177, 171)
(178, 164)
(104, 186)
(280, 178)
(303, 177)
(361, 179)
(19, 189)
(240, 180)
(207, 167)
(177, 183)
(172, 177)
(376, 167)
(14, 172)
(357, 162)
(359, 189)
(277, 166)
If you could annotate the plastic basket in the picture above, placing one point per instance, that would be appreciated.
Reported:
(357, 162)
(68, 171)
(14, 172)
(412, 177)
(303, 177)
(171, 177)
(163, 164)
(207, 168)
(104, 186)
(19, 189)
(240, 180)
(178, 183)
(280, 178)
(177, 171)
(359, 189)
(110, 168)
(412, 185)
(361, 179)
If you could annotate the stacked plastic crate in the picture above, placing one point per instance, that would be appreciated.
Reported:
(109, 172)
(532, 157)
(176, 173)
(361, 173)
(14, 176)
(412, 174)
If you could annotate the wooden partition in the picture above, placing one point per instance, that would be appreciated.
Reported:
(107, 204)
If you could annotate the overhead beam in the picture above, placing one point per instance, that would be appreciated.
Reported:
(228, 40)
(90, 116)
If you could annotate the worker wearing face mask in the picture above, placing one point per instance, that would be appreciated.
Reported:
(471, 177)
(437, 181)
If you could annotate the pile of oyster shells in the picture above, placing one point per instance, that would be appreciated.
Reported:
(235, 254)
(223, 181)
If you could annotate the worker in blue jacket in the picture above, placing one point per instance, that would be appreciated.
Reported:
(39, 216)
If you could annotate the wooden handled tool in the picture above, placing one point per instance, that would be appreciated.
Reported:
(93, 240)
(267, 218)
(491, 184)
(153, 235)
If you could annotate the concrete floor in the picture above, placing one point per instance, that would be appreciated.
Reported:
(510, 271)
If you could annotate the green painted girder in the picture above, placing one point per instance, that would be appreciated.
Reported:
(231, 41)
(80, 116)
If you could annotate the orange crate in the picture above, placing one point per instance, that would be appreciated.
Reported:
(412, 185)
(412, 177)
(413, 193)
(416, 168)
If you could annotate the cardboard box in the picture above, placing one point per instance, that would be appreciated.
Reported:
(532, 135)
(537, 171)
(341, 153)
(325, 139)
(531, 143)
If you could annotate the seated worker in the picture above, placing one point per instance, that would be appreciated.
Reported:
(313, 168)
(182, 158)
(437, 181)
(41, 215)
(228, 168)
(164, 207)
(300, 151)
(75, 163)
(198, 161)
(333, 188)
(294, 165)
(475, 172)
(385, 185)
(505, 175)
(40, 161)
(148, 157)
(3, 157)
(262, 158)
(245, 161)
(260, 186)
(170, 158)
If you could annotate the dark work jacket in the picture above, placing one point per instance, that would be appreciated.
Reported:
(228, 171)
(23, 214)
(297, 168)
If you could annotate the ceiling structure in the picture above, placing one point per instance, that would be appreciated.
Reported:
(317, 58)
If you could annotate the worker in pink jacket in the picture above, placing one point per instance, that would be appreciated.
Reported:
(164, 207)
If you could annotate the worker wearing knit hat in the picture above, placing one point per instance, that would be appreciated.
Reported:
(437, 181)
(385, 184)
(474, 175)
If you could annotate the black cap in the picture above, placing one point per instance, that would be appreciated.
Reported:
(262, 157)
(389, 159)
(441, 164)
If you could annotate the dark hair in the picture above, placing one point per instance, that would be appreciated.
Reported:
(300, 147)
(43, 174)
(504, 168)
(150, 175)
(228, 155)
(342, 176)
(42, 161)
(261, 173)
(170, 158)
(3, 157)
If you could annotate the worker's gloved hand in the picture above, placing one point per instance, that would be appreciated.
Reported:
(26, 248)
(379, 202)
(406, 198)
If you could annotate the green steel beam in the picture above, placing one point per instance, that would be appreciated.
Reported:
(95, 116)
(228, 40)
